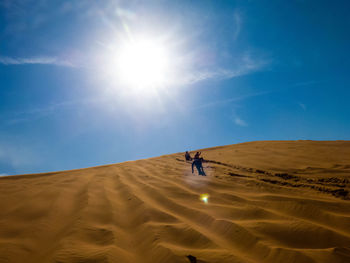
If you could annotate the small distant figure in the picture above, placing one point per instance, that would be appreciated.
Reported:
(188, 156)
(198, 162)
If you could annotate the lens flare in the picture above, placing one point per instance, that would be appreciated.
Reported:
(204, 198)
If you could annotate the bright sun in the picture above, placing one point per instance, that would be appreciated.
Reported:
(142, 64)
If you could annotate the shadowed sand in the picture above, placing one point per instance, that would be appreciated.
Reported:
(268, 202)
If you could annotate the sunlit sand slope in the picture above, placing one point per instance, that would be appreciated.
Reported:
(268, 202)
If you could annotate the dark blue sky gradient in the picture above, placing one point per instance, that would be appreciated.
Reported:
(250, 70)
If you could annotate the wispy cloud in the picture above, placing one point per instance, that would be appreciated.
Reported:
(245, 65)
(15, 154)
(41, 112)
(238, 24)
(3, 174)
(239, 122)
(302, 105)
(229, 100)
(236, 118)
(305, 83)
(35, 60)
(125, 14)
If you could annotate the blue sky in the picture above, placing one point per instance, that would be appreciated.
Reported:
(239, 71)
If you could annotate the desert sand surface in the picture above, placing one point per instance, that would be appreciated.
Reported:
(269, 201)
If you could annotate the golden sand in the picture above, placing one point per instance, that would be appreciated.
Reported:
(271, 201)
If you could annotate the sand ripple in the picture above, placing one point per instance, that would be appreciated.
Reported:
(268, 202)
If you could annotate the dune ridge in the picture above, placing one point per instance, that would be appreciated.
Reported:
(269, 201)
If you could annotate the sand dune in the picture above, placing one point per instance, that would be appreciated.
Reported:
(268, 202)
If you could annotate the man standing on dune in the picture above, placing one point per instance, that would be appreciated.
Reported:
(197, 161)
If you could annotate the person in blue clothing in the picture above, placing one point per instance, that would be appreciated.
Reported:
(197, 161)
(188, 156)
